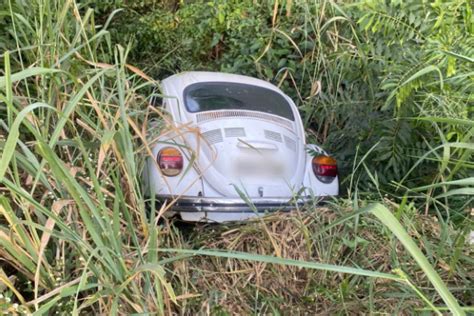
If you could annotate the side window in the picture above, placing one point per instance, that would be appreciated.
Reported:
(156, 98)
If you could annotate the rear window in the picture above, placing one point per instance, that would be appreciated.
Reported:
(212, 96)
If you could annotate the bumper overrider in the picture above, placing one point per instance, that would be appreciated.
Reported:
(235, 205)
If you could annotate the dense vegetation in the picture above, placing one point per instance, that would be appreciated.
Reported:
(395, 105)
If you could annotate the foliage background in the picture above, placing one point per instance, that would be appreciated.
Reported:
(380, 64)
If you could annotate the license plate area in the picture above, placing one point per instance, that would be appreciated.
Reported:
(258, 168)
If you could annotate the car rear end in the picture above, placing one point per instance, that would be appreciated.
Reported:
(235, 156)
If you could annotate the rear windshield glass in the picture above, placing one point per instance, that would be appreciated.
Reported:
(212, 96)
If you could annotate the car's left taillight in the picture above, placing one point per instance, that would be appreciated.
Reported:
(170, 161)
(325, 168)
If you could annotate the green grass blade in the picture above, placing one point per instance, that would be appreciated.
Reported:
(461, 191)
(69, 108)
(10, 144)
(283, 261)
(30, 72)
(447, 120)
(387, 218)
(466, 181)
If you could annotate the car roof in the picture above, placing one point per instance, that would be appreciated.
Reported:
(178, 82)
(173, 87)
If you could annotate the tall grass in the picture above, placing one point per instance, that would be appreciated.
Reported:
(70, 230)
(76, 236)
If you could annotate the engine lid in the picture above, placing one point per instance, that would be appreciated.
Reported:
(257, 158)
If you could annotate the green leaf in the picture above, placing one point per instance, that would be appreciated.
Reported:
(415, 76)
(423, 72)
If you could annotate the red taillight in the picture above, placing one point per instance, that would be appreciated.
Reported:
(170, 161)
(324, 168)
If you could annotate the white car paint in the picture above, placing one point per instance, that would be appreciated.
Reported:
(216, 145)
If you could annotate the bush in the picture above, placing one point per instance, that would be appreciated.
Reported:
(381, 66)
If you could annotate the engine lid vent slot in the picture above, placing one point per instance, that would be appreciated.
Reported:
(271, 135)
(213, 136)
(290, 143)
(234, 132)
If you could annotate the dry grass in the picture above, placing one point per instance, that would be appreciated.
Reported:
(241, 287)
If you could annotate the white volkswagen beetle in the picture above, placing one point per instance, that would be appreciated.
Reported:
(236, 149)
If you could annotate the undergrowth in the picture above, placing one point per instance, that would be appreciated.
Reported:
(396, 107)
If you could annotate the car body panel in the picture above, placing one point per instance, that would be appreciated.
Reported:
(233, 155)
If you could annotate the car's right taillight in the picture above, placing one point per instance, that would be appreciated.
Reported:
(170, 161)
(325, 168)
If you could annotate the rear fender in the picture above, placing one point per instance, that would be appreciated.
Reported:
(188, 182)
(312, 185)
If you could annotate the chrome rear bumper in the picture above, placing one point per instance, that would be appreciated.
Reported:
(231, 205)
